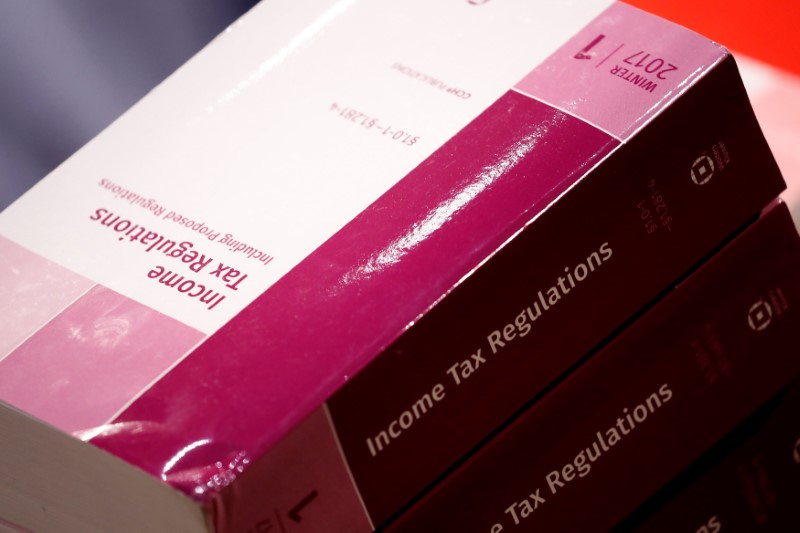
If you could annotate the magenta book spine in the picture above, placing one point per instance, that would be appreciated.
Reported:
(750, 482)
(645, 407)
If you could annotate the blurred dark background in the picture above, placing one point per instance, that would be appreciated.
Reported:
(68, 69)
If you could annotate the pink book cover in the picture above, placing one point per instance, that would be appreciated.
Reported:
(270, 285)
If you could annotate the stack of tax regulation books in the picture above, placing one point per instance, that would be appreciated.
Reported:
(449, 266)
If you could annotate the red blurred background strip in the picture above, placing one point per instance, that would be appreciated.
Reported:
(766, 30)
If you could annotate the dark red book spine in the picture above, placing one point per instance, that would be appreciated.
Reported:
(748, 482)
(574, 275)
(644, 407)
(629, 225)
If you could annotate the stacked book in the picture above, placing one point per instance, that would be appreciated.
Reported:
(467, 266)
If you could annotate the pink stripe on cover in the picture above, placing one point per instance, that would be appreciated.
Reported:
(301, 340)
(86, 363)
(625, 47)
(32, 291)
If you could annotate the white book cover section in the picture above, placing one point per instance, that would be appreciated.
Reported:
(230, 173)
(250, 169)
